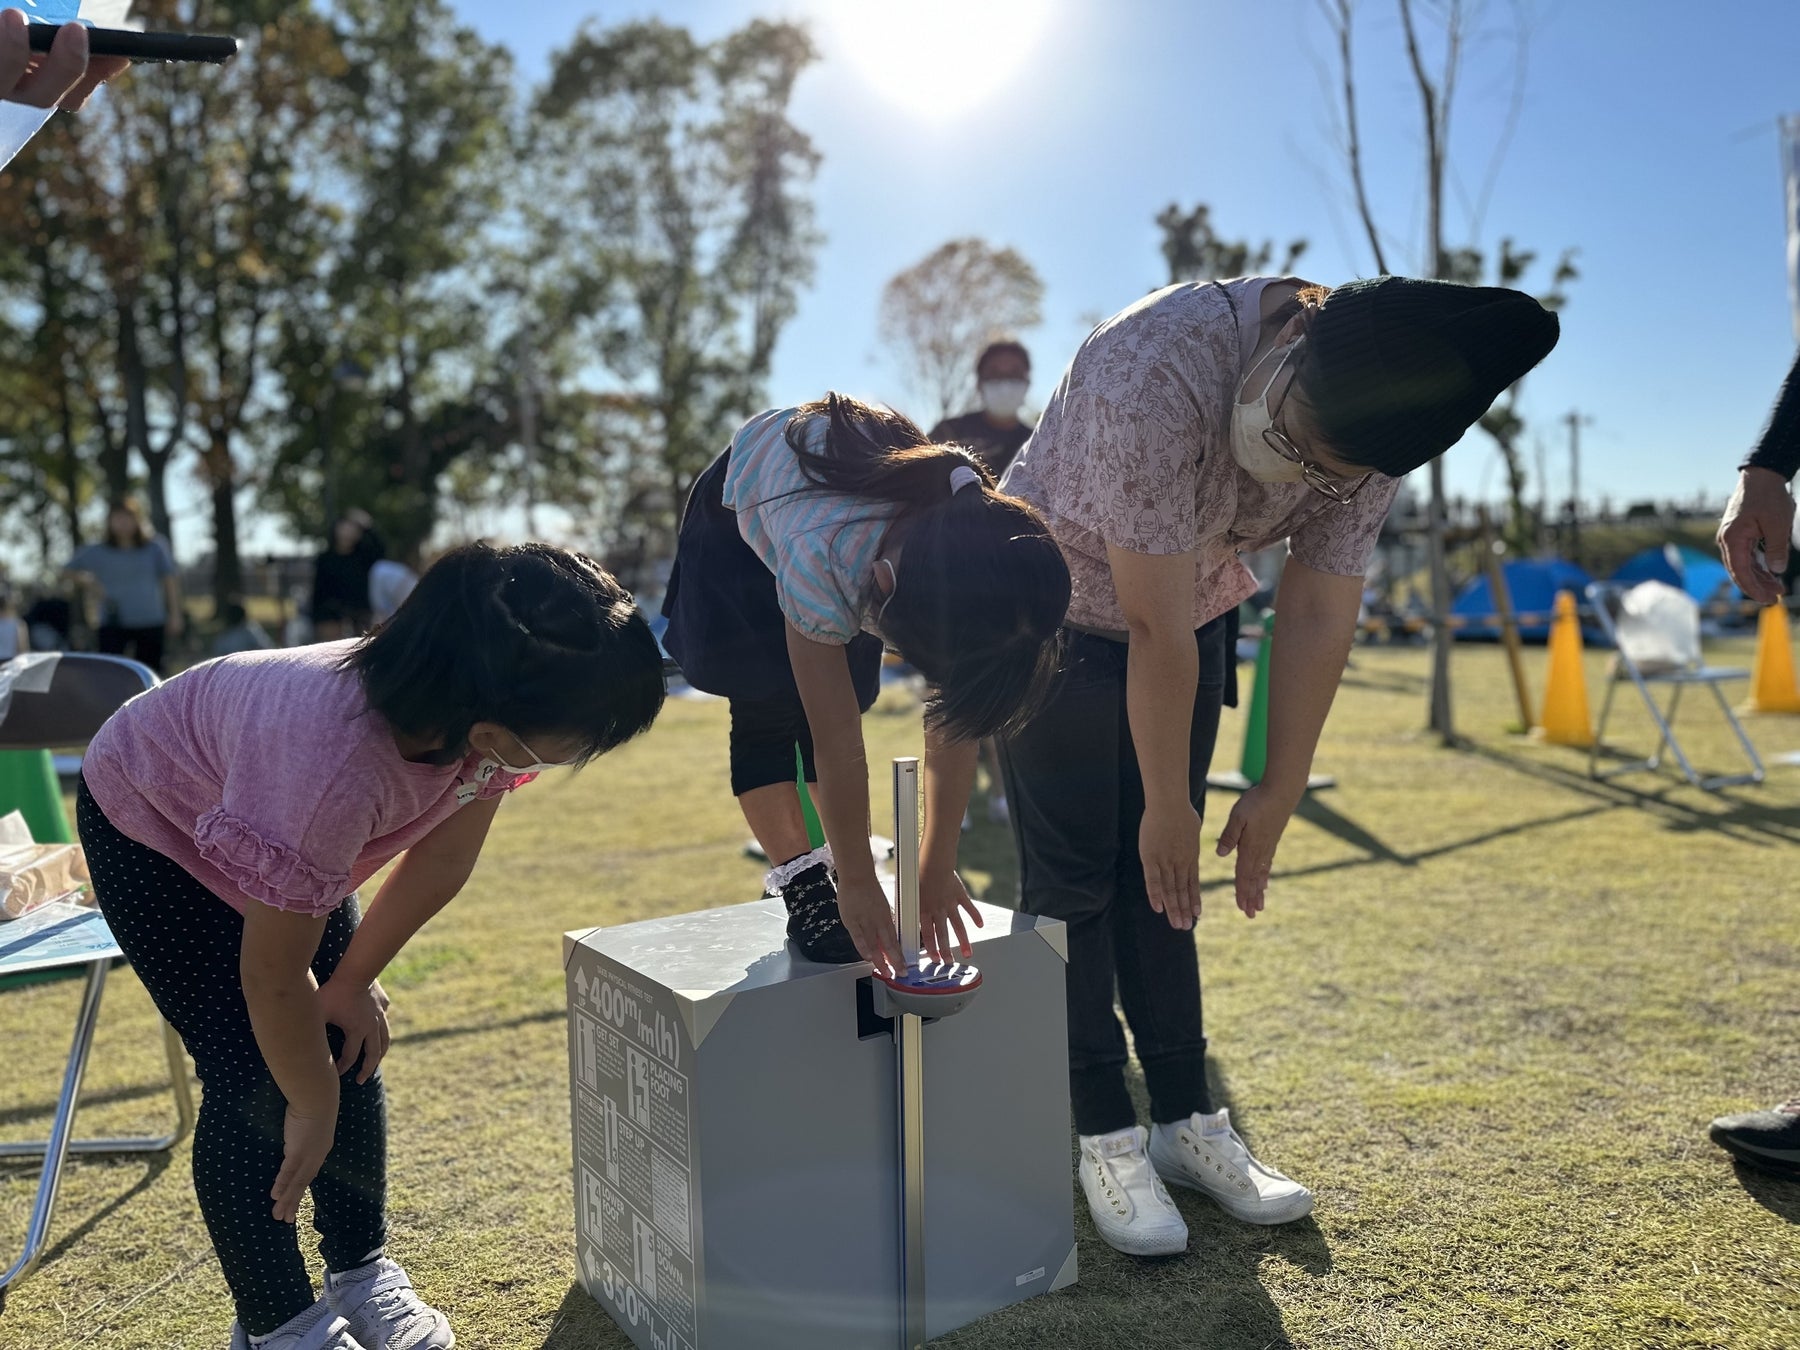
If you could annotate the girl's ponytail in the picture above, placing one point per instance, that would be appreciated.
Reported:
(877, 455)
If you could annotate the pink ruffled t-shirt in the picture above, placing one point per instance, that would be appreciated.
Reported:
(266, 775)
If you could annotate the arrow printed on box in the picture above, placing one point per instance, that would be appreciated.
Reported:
(590, 1264)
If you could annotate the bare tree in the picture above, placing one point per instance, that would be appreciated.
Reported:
(939, 313)
(1436, 83)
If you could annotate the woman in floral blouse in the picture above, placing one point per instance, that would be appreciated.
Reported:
(1208, 420)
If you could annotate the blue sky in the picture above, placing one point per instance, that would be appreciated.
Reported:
(1646, 139)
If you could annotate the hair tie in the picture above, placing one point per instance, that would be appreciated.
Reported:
(961, 477)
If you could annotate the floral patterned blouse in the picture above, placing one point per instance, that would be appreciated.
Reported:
(1133, 450)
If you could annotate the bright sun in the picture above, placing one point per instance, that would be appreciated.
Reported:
(937, 58)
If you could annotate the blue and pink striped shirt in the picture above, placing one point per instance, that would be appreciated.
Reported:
(820, 546)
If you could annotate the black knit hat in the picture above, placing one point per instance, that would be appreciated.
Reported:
(1400, 368)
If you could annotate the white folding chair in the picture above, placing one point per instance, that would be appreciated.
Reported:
(84, 690)
(1662, 652)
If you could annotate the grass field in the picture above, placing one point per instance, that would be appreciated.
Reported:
(1487, 1015)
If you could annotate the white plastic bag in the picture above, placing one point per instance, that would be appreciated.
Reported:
(34, 875)
(1659, 628)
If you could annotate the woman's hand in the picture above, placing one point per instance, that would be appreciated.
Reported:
(361, 1014)
(1760, 512)
(1169, 844)
(943, 900)
(1253, 831)
(864, 908)
(305, 1141)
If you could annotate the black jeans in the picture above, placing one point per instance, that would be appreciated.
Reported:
(184, 944)
(141, 644)
(1077, 801)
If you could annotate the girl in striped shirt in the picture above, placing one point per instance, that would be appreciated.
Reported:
(821, 533)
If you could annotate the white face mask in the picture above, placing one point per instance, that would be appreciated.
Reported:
(538, 766)
(1002, 398)
(1252, 451)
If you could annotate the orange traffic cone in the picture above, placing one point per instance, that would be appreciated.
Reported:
(1565, 720)
(1772, 687)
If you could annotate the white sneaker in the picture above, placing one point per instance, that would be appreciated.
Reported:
(379, 1303)
(318, 1328)
(1204, 1153)
(1130, 1205)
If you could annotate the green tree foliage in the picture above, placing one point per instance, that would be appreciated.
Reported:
(348, 269)
(1194, 251)
(667, 234)
(418, 134)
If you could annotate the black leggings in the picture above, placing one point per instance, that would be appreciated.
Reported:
(1077, 802)
(183, 942)
(765, 732)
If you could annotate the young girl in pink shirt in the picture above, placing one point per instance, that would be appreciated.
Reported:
(229, 816)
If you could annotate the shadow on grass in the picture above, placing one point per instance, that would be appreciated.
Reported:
(1739, 816)
(1775, 1194)
(582, 1324)
(154, 1165)
(1315, 810)
(1383, 682)
(35, 1111)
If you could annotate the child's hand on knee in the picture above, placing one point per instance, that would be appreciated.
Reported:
(306, 1140)
(361, 1014)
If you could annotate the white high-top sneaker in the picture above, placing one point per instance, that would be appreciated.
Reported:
(1205, 1154)
(1130, 1205)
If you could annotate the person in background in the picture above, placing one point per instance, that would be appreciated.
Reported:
(15, 637)
(340, 599)
(1759, 520)
(995, 432)
(241, 633)
(50, 619)
(390, 582)
(62, 78)
(1206, 421)
(140, 591)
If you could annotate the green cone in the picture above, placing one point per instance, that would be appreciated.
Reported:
(28, 784)
(1256, 726)
(815, 832)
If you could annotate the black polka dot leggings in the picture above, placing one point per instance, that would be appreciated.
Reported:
(183, 942)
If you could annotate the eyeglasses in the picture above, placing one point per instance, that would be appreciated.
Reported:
(1340, 490)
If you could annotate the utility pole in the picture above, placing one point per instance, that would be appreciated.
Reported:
(1575, 422)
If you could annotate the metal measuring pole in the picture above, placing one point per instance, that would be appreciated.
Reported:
(909, 1036)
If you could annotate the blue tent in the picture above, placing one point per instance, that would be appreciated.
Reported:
(1531, 585)
(1700, 574)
